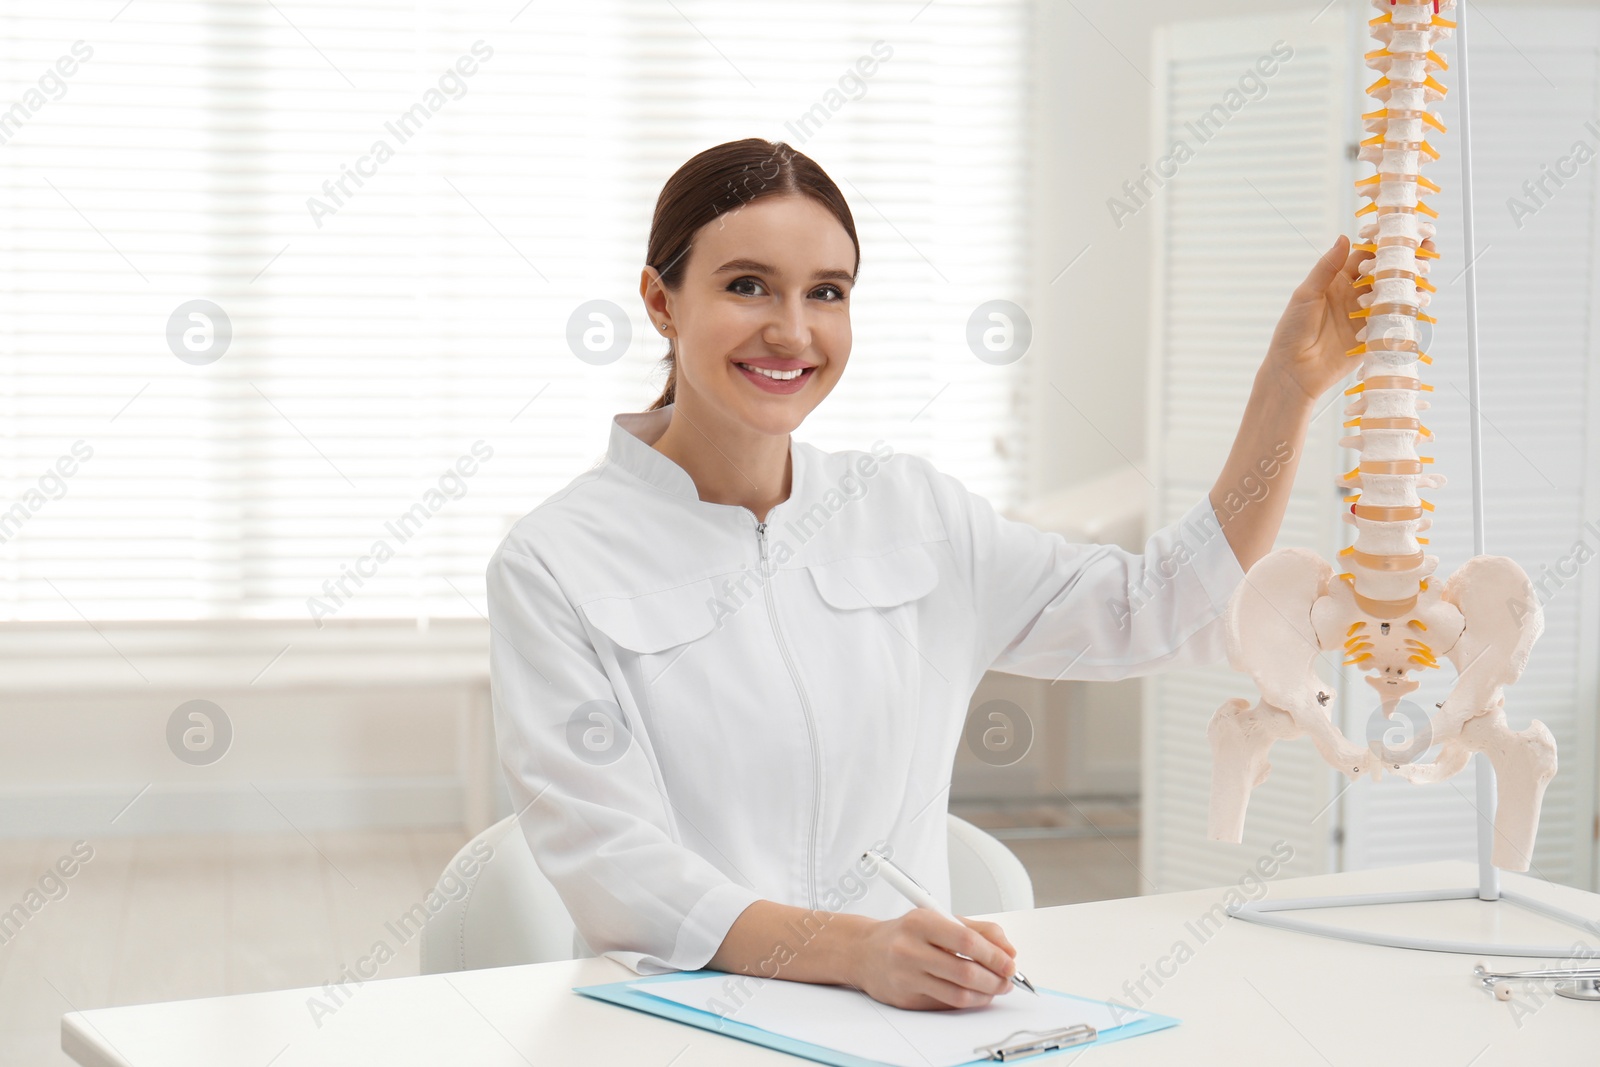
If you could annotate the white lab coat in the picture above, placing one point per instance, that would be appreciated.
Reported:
(753, 737)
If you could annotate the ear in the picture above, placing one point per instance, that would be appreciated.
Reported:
(655, 295)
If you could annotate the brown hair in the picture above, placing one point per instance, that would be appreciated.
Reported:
(722, 179)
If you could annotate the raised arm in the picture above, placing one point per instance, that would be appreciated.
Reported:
(1309, 354)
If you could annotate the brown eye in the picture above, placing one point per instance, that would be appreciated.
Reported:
(743, 286)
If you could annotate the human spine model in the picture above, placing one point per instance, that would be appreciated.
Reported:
(1385, 613)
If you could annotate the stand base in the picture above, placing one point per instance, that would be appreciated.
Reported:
(1586, 989)
(1269, 913)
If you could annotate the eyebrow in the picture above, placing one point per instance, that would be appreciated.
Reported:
(765, 268)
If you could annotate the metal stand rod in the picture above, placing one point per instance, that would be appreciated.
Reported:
(1488, 875)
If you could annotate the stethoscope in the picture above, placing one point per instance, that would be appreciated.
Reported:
(1574, 983)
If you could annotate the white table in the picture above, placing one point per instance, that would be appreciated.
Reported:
(1248, 995)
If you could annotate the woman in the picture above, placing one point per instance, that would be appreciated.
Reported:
(726, 662)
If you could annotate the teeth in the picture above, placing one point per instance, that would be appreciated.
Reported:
(776, 375)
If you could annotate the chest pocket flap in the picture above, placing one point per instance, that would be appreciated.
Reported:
(654, 622)
(882, 581)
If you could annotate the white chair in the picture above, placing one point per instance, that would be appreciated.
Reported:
(509, 913)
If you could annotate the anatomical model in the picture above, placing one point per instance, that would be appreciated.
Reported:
(1387, 613)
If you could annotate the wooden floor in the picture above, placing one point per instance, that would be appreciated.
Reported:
(167, 918)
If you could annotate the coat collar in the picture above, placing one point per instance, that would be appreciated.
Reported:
(634, 432)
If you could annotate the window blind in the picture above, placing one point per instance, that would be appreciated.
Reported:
(285, 288)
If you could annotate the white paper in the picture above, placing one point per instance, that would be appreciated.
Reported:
(843, 1019)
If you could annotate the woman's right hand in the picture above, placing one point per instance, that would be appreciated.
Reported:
(910, 962)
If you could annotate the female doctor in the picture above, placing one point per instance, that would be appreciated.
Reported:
(726, 662)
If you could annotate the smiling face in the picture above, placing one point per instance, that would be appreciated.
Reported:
(764, 288)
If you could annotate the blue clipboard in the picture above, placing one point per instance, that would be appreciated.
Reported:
(619, 993)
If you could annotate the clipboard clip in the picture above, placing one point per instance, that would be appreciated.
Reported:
(1042, 1041)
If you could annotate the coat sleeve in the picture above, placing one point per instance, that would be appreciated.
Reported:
(1046, 608)
(599, 826)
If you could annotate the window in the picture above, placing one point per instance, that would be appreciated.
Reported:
(285, 288)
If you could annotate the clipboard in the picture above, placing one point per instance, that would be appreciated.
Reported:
(1006, 1048)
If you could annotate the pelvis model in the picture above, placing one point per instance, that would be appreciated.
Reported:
(1387, 612)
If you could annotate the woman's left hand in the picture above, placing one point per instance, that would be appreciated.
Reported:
(1309, 350)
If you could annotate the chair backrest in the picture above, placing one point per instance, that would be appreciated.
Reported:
(985, 876)
(502, 910)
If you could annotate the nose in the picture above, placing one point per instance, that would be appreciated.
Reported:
(788, 328)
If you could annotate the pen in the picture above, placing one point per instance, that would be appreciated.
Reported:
(913, 891)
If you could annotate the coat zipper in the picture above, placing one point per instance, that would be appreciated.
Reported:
(811, 729)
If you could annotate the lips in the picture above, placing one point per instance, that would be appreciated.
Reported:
(775, 385)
